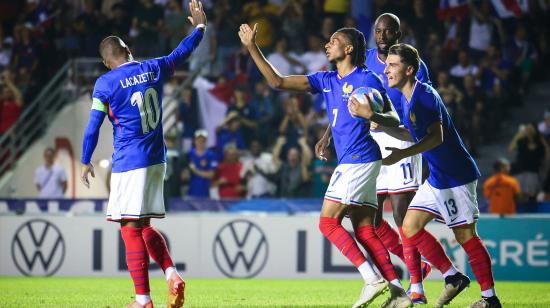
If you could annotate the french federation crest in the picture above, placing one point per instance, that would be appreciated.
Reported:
(347, 89)
(412, 117)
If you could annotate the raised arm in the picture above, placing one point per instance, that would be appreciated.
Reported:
(273, 77)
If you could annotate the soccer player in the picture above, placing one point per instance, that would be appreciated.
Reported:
(352, 188)
(400, 181)
(130, 94)
(449, 194)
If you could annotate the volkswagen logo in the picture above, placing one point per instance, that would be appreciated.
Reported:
(38, 248)
(240, 249)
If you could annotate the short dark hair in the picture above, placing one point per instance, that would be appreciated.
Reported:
(499, 164)
(357, 39)
(409, 55)
(112, 46)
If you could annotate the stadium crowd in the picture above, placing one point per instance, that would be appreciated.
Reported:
(480, 60)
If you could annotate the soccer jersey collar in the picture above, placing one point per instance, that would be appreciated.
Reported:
(342, 77)
(126, 63)
(413, 91)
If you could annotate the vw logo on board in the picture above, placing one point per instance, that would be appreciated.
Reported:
(38, 248)
(240, 249)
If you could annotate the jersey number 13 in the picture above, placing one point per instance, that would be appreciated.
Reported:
(149, 109)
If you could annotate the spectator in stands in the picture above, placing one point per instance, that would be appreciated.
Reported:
(451, 96)
(204, 57)
(229, 131)
(287, 62)
(176, 24)
(25, 53)
(50, 179)
(473, 104)
(322, 171)
(264, 14)
(263, 101)
(327, 29)
(544, 126)
(5, 52)
(501, 190)
(120, 22)
(293, 126)
(228, 178)
(148, 22)
(175, 163)
(293, 174)
(523, 55)
(463, 67)
(292, 18)
(202, 165)
(315, 59)
(258, 169)
(530, 148)
(482, 28)
(495, 70)
(188, 116)
(246, 112)
(11, 102)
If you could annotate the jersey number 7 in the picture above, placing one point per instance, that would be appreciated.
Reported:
(149, 110)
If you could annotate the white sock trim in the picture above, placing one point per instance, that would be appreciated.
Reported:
(489, 292)
(417, 288)
(169, 272)
(397, 283)
(368, 273)
(451, 271)
(143, 299)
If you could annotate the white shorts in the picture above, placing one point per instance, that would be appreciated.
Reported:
(403, 176)
(454, 206)
(354, 184)
(137, 194)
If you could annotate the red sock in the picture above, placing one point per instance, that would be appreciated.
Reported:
(373, 245)
(480, 262)
(390, 239)
(339, 237)
(412, 259)
(136, 258)
(431, 249)
(156, 247)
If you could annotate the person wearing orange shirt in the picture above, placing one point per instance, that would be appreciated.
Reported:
(501, 190)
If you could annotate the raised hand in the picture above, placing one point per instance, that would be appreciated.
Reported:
(248, 35)
(197, 13)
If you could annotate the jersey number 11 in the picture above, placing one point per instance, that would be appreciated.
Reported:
(149, 110)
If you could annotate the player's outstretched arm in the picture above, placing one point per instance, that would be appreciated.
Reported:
(430, 141)
(273, 77)
(190, 43)
(91, 136)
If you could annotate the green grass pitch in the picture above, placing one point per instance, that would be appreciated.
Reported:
(117, 292)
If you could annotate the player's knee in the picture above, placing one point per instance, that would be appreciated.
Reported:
(463, 234)
(410, 228)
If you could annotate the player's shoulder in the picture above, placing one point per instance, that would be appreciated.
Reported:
(371, 53)
(369, 75)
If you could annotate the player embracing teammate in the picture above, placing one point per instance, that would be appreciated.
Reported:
(449, 193)
(352, 188)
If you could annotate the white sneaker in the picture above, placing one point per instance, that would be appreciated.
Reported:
(370, 292)
(398, 298)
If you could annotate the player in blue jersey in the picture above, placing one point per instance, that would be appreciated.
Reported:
(397, 182)
(449, 194)
(352, 188)
(130, 94)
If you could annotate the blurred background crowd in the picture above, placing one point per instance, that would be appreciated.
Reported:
(482, 57)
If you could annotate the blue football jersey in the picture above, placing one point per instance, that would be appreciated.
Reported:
(200, 186)
(450, 163)
(375, 64)
(131, 94)
(352, 139)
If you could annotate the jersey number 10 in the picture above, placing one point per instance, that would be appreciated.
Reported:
(149, 110)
